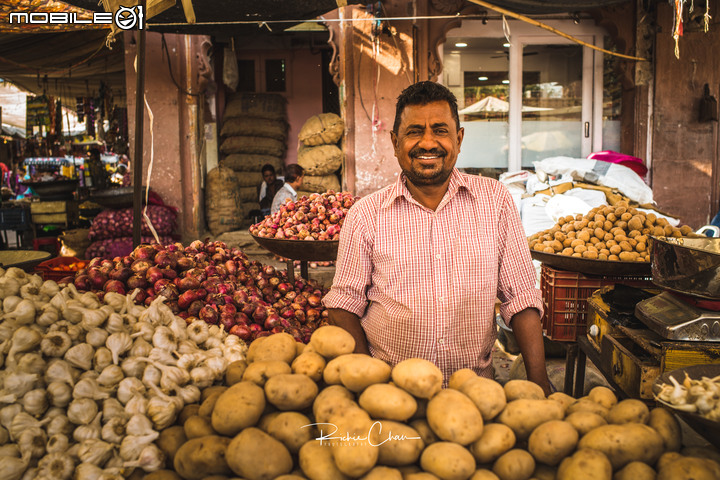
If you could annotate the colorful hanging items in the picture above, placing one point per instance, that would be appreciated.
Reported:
(678, 25)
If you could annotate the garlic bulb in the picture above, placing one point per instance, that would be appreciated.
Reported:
(115, 324)
(162, 356)
(88, 471)
(89, 388)
(35, 402)
(59, 394)
(4, 436)
(102, 359)
(178, 326)
(49, 288)
(48, 316)
(189, 360)
(19, 383)
(116, 301)
(56, 465)
(95, 318)
(76, 333)
(202, 376)
(114, 430)
(118, 344)
(23, 313)
(187, 346)
(128, 388)
(143, 330)
(10, 450)
(23, 421)
(89, 300)
(140, 348)
(151, 459)
(218, 365)
(8, 413)
(110, 376)
(212, 342)
(32, 363)
(10, 302)
(189, 394)
(95, 451)
(96, 337)
(133, 367)
(139, 425)
(80, 356)
(23, 340)
(163, 409)
(53, 412)
(151, 375)
(57, 443)
(82, 411)
(137, 404)
(164, 338)
(31, 443)
(11, 467)
(197, 331)
(132, 445)
(60, 425)
(61, 371)
(90, 431)
(112, 408)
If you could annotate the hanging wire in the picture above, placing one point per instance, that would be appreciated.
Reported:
(170, 70)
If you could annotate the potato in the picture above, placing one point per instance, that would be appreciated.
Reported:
(331, 341)
(623, 444)
(264, 422)
(188, 411)
(420, 476)
(635, 471)
(400, 443)
(454, 417)
(240, 406)
(516, 464)
(586, 405)
(484, 474)
(208, 405)
(170, 440)
(360, 371)
(290, 476)
(524, 415)
(161, 475)
(603, 396)
(487, 395)
(278, 347)
(259, 372)
(628, 411)
(583, 422)
(495, 440)
(448, 461)
(383, 473)
(234, 372)
(317, 463)
(708, 452)
(585, 464)
(666, 459)
(211, 391)
(386, 401)
(562, 398)
(197, 426)
(255, 455)
(552, 441)
(544, 472)
(668, 427)
(517, 389)
(423, 428)
(299, 348)
(253, 348)
(291, 391)
(690, 468)
(199, 457)
(459, 376)
(292, 429)
(331, 400)
(331, 373)
(359, 453)
(311, 364)
(418, 377)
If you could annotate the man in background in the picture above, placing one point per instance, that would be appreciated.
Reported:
(293, 181)
(268, 188)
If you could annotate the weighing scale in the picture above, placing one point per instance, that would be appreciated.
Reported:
(677, 318)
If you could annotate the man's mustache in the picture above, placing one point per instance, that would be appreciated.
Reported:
(437, 152)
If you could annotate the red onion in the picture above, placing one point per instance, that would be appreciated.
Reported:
(260, 314)
(136, 281)
(242, 331)
(209, 314)
(154, 274)
(122, 274)
(314, 301)
(82, 282)
(241, 318)
(240, 297)
(141, 266)
(97, 279)
(227, 321)
(272, 321)
(114, 286)
(195, 307)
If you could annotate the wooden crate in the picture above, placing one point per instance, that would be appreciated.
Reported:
(54, 212)
(629, 366)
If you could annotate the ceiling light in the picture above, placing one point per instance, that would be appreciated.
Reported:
(506, 82)
(482, 79)
(506, 45)
(461, 44)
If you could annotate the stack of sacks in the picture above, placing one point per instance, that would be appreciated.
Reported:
(319, 154)
(224, 209)
(255, 134)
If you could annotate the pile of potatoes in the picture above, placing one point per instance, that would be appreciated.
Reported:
(617, 233)
(383, 423)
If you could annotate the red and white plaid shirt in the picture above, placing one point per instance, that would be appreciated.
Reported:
(424, 282)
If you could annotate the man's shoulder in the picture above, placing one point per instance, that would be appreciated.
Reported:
(373, 201)
(484, 186)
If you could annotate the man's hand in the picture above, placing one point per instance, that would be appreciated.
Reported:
(351, 323)
(527, 328)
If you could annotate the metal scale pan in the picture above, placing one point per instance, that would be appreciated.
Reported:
(690, 269)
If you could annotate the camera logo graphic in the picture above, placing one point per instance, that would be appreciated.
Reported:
(127, 18)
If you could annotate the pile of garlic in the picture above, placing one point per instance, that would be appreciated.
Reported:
(695, 396)
(87, 385)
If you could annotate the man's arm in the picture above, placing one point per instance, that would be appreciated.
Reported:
(527, 328)
(350, 322)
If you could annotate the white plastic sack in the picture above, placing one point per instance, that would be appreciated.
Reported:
(607, 174)
(231, 76)
(594, 198)
(560, 206)
(671, 220)
(533, 215)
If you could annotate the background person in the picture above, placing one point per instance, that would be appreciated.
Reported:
(268, 188)
(293, 181)
(421, 262)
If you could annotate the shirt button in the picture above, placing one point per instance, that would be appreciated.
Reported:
(437, 256)
(440, 299)
(441, 341)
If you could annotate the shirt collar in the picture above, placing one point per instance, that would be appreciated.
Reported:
(399, 188)
(292, 190)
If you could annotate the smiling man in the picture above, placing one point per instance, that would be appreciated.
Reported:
(421, 262)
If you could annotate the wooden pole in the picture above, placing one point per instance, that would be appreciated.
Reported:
(139, 126)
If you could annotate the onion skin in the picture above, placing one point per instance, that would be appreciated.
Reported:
(209, 314)
(114, 286)
(242, 331)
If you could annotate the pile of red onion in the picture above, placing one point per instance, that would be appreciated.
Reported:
(317, 217)
(217, 284)
(115, 223)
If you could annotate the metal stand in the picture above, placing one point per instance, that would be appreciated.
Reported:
(291, 270)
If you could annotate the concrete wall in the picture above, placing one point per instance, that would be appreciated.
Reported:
(684, 151)
(171, 142)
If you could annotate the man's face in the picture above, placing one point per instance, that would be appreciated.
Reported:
(427, 143)
(268, 176)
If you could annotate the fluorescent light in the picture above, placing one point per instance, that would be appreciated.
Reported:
(506, 45)
(506, 82)
(461, 44)
(482, 79)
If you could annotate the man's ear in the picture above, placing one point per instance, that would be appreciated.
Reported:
(394, 139)
(461, 135)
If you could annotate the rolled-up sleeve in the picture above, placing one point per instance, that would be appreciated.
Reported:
(353, 269)
(516, 285)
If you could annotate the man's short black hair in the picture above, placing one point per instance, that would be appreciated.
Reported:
(267, 168)
(422, 93)
(293, 172)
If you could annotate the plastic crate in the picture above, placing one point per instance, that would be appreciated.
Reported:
(14, 218)
(48, 269)
(565, 297)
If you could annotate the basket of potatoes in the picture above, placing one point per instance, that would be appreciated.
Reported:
(610, 233)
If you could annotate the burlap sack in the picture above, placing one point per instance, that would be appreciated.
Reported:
(320, 160)
(248, 194)
(223, 207)
(271, 106)
(258, 145)
(243, 162)
(249, 179)
(320, 184)
(323, 129)
(255, 127)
